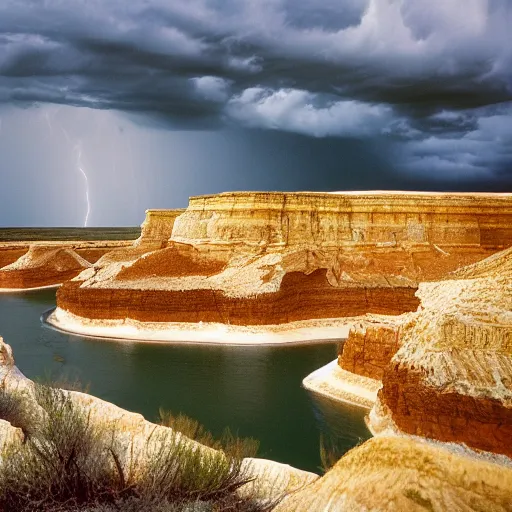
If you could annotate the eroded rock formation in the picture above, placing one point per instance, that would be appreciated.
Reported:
(272, 258)
(370, 345)
(34, 264)
(42, 266)
(451, 378)
(157, 228)
(392, 473)
(445, 371)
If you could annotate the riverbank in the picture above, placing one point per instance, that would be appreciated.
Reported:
(302, 332)
(333, 382)
(21, 290)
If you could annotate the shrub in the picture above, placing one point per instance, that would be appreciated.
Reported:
(69, 463)
(230, 444)
(14, 408)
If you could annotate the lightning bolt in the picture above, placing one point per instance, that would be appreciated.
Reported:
(80, 168)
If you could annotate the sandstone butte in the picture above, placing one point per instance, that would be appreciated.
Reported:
(276, 260)
(40, 264)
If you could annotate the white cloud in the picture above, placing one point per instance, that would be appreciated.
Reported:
(299, 111)
(212, 88)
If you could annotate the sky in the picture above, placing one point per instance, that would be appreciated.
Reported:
(109, 107)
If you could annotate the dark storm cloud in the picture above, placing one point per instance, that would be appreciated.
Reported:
(427, 75)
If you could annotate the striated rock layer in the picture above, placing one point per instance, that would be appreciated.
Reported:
(157, 228)
(370, 345)
(451, 378)
(360, 218)
(42, 266)
(36, 264)
(253, 258)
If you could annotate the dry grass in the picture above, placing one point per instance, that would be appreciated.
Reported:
(230, 444)
(69, 463)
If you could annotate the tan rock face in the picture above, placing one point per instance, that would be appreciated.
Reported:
(451, 379)
(391, 473)
(333, 220)
(42, 266)
(157, 228)
(272, 258)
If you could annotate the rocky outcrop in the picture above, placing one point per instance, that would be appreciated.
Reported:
(272, 258)
(393, 473)
(451, 379)
(42, 266)
(370, 345)
(157, 228)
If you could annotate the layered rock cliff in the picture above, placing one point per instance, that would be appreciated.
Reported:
(42, 266)
(157, 228)
(272, 258)
(340, 219)
(451, 378)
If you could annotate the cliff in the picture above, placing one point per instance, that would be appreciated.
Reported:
(157, 228)
(349, 218)
(370, 345)
(42, 266)
(451, 378)
(273, 258)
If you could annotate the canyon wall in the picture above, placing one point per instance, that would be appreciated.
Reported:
(370, 346)
(157, 228)
(451, 377)
(342, 219)
(272, 258)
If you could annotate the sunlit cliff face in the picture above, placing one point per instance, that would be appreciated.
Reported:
(412, 94)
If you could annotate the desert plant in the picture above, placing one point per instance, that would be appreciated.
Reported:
(15, 408)
(69, 463)
(229, 443)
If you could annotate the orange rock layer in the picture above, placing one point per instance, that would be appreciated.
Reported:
(418, 408)
(369, 348)
(300, 297)
(42, 266)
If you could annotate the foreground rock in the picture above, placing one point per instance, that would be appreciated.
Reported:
(385, 473)
(274, 258)
(392, 473)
